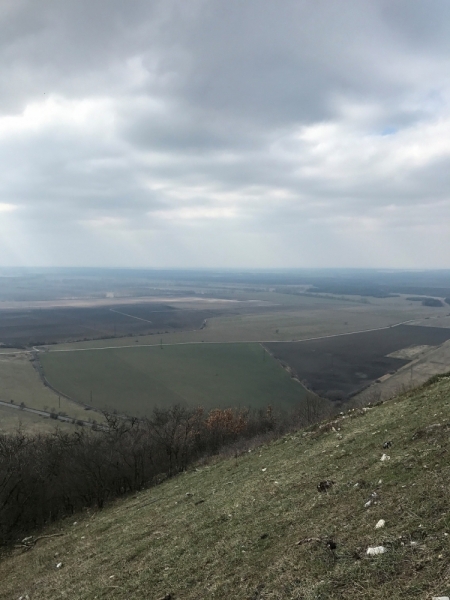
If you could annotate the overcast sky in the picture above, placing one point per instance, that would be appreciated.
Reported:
(225, 133)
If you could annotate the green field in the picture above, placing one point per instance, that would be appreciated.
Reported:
(134, 380)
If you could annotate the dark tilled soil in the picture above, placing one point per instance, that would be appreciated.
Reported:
(44, 326)
(338, 367)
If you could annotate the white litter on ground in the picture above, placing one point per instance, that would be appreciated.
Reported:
(381, 523)
(374, 550)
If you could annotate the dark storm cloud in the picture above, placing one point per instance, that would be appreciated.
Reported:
(173, 133)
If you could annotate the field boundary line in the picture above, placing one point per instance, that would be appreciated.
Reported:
(311, 339)
(131, 316)
(48, 415)
(41, 373)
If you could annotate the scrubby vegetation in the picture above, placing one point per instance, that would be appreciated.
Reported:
(44, 477)
(434, 302)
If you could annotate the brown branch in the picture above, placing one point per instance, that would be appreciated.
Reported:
(31, 543)
(307, 540)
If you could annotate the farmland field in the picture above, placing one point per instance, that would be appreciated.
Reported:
(20, 383)
(211, 326)
(338, 367)
(134, 380)
(428, 361)
(287, 318)
(50, 325)
(11, 420)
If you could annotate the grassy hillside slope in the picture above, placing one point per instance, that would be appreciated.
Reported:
(232, 529)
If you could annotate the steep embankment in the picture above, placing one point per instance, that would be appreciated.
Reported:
(257, 527)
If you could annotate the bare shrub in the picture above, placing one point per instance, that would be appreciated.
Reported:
(45, 477)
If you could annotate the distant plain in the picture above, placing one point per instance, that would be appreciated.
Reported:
(210, 326)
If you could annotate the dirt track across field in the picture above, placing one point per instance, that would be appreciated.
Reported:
(46, 414)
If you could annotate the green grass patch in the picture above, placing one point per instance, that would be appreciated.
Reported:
(134, 380)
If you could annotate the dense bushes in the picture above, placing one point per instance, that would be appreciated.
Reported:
(45, 477)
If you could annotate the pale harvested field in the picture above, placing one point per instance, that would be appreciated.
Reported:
(410, 353)
(429, 362)
(11, 420)
(295, 318)
(20, 382)
(437, 320)
(185, 302)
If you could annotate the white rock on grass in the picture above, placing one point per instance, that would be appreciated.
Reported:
(381, 523)
(375, 550)
(385, 457)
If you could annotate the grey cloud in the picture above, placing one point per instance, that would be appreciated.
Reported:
(67, 46)
(418, 24)
(166, 129)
